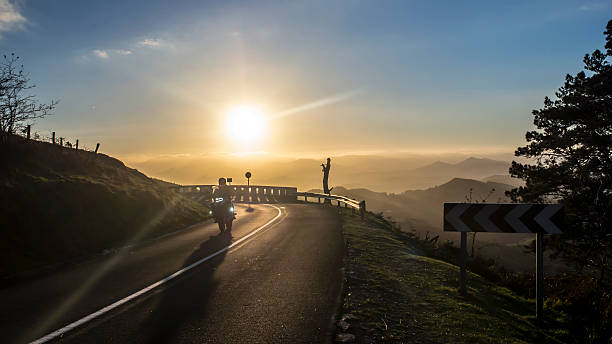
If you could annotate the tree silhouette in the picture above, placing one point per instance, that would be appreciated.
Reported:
(17, 106)
(570, 161)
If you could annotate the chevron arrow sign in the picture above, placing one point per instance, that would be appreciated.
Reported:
(503, 218)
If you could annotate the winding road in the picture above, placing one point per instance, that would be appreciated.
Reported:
(276, 278)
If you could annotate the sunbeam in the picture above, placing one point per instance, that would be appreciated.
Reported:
(97, 275)
(319, 103)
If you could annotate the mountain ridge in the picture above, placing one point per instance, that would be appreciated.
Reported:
(378, 173)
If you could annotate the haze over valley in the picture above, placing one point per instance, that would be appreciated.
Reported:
(394, 174)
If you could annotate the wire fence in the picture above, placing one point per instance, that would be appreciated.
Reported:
(51, 137)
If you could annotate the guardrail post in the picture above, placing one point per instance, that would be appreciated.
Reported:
(53, 137)
(97, 147)
(362, 209)
(28, 132)
(77, 144)
(291, 194)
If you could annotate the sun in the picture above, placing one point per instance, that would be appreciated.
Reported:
(245, 123)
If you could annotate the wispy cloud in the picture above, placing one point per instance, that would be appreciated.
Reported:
(103, 54)
(11, 18)
(150, 43)
(121, 52)
(592, 6)
(106, 53)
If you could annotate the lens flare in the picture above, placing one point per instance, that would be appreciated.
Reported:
(245, 123)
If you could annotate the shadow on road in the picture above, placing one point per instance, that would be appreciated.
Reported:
(185, 301)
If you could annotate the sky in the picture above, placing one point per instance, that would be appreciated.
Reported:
(157, 78)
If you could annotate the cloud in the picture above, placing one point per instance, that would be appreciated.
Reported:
(103, 54)
(11, 18)
(592, 6)
(151, 42)
(106, 53)
(121, 52)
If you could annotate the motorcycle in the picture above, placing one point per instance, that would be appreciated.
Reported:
(223, 212)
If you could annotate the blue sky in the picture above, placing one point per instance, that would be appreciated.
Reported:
(157, 77)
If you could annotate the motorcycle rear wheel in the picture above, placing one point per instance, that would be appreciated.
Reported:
(221, 226)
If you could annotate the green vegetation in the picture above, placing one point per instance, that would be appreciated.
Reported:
(569, 161)
(59, 204)
(398, 294)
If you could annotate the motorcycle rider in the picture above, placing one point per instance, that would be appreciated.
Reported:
(222, 191)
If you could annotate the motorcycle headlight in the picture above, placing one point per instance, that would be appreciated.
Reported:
(232, 209)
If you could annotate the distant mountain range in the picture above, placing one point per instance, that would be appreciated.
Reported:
(423, 208)
(380, 173)
(504, 179)
(422, 211)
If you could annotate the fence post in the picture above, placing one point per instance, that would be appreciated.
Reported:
(61, 141)
(77, 144)
(28, 132)
(97, 146)
(53, 137)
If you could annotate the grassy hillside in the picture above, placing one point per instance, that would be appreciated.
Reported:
(394, 293)
(57, 204)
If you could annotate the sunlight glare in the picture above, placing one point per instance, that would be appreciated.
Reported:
(245, 123)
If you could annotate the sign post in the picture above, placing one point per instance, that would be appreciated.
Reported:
(248, 177)
(463, 264)
(505, 218)
(539, 277)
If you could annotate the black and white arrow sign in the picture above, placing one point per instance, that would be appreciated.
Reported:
(503, 218)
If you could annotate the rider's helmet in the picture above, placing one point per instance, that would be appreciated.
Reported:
(222, 181)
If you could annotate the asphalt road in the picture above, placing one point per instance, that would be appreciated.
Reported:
(280, 284)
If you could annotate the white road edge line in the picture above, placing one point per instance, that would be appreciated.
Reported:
(112, 306)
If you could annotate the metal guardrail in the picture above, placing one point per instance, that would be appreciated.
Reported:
(270, 194)
(348, 202)
(243, 193)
